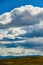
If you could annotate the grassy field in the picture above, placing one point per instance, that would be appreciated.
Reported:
(33, 60)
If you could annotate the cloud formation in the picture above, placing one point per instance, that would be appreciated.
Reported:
(5, 18)
(24, 15)
(21, 31)
(11, 33)
(18, 52)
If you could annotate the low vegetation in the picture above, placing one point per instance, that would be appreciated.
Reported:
(33, 60)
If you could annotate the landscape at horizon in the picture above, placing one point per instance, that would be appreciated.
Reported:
(21, 32)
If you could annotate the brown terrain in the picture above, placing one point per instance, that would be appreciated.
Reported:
(32, 60)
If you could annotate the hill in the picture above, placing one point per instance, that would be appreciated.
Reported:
(30, 60)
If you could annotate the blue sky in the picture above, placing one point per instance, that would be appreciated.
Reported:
(21, 28)
(8, 5)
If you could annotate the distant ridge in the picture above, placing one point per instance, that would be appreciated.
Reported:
(27, 60)
(5, 57)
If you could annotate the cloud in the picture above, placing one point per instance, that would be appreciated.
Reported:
(18, 52)
(34, 30)
(37, 40)
(5, 18)
(27, 15)
(5, 42)
(11, 33)
(21, 31)
(32, 43)
(24, 15)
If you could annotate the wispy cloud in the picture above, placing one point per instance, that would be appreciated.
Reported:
(18, 51)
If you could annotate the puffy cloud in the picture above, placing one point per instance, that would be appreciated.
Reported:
(5, 18)
(11, 33)
(24, 15)
(27, 15)
(22, 32)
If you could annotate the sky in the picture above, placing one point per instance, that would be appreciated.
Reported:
(8, 5)
(21, 28)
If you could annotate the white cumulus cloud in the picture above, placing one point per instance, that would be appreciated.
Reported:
(5, 18)
(24, 15)
(12, 33)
